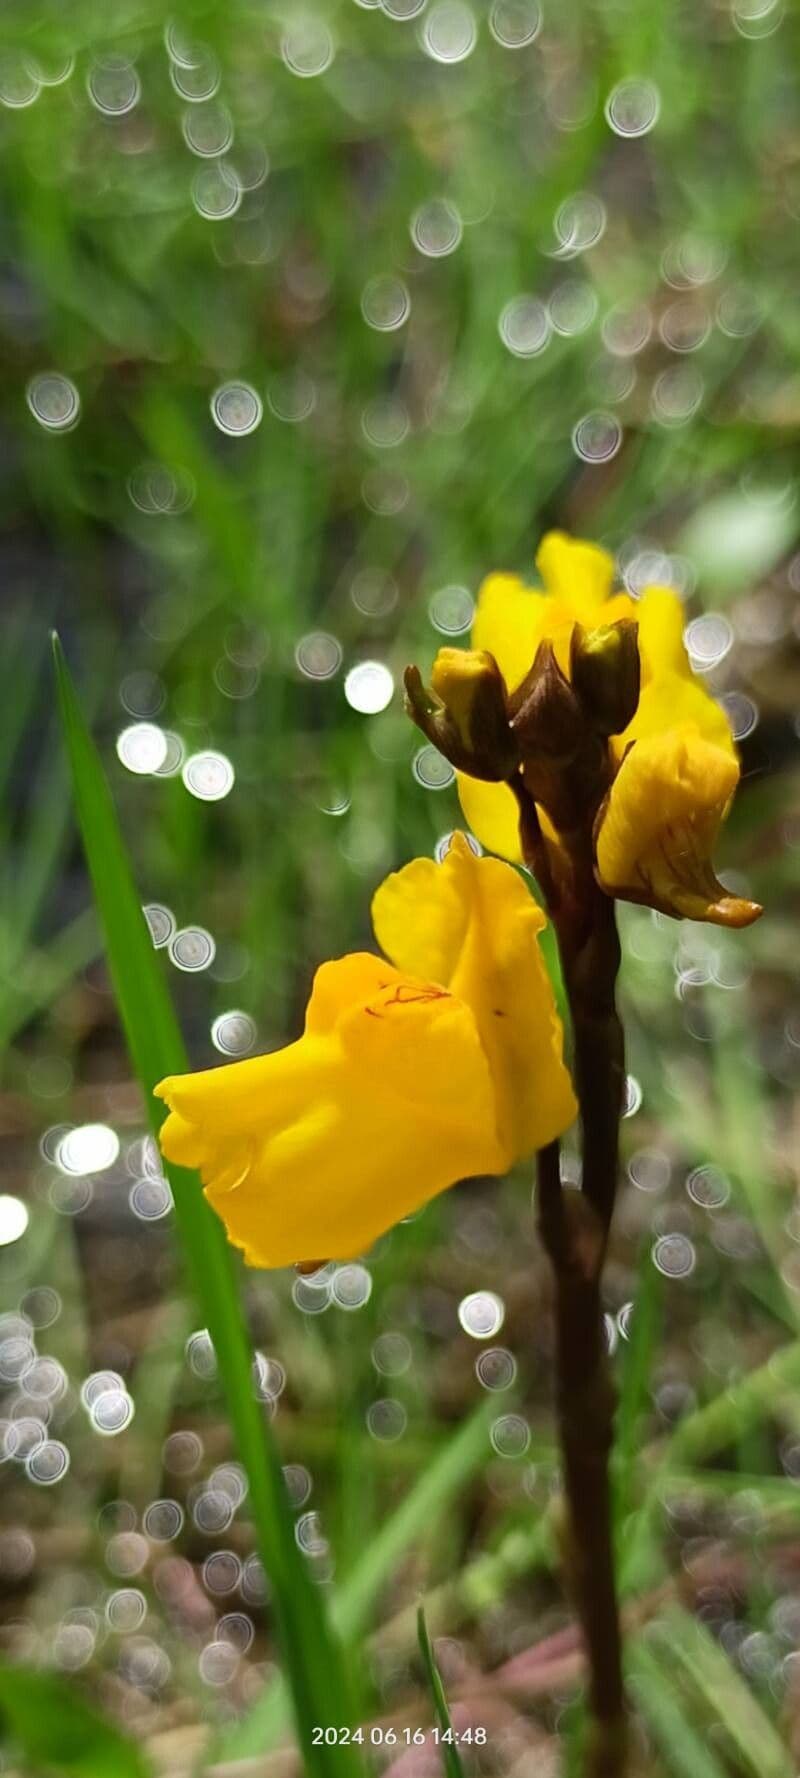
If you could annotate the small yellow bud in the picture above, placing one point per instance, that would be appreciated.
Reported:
(606, 674)
(470, 685)
(465, 714)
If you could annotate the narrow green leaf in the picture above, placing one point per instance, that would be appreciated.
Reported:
(57, 1730)
(315, 1668)
(686, 1646)
(634, 1387)
(769, 1389)
(703, 1434)
(451, 1759)
(418, 1514)
(684, 1749)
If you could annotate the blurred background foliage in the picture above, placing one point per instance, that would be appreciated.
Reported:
(309, 318)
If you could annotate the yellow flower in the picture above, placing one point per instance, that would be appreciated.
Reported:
(410, 1075)
(657, 829)
(674, 786)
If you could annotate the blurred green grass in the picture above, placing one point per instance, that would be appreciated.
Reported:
(184, 567)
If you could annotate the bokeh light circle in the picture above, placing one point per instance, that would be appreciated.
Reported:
(88, 1148)
(47, 1463)
(449, 31)
(632, 107)
(192, 948)
(54, 401)
(233, 1033)
(515, 23)
(208, 775)
(14, 1218)
(597, 437)
(237, 409)
(436, 228)
(142, 748)
(431, 769)
(369, 687)
(385, 303)
(451, 610)
(524, 326)
(481, 1314)
(674, 1255)
(318, 655)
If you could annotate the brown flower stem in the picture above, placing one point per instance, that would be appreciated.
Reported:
(574, 1228)
(585, 1409)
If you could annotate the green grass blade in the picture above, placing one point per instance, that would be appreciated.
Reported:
(769, 1389)
(634, 1393)
(313, 1660)
(451, 1760)
(416, 1515)
(684, 1750)
(56, 1730)
(687, 1647)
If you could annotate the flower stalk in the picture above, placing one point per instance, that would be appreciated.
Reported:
(574, 1229)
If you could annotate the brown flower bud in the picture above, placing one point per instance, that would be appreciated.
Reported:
(546, 717)
(465, 714)
(605, 672)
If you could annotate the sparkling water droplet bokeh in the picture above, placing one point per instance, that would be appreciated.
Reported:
(597, 437)
(481, 1314)
(142, 747)
(192, 948)
(674, 1255)
(54, 401)
(449, 31)
(436, 228)
(236, 409)
(385, 303)
(369, 687)
(515, 23)
(208, 775)
(632, 107)
(524, 326)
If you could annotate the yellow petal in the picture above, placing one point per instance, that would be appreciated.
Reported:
(671, 693)
(509, 623)
(512, 619)
(671, 701)
(620, 605)
(339, 985)
(580, 574)
(659, 824)
(661, 618)
(315, 1150)
(472, 924)
(492, 814)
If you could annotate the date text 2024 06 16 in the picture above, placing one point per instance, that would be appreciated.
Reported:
(390, 1737)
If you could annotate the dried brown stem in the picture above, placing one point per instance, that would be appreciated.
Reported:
(574, 1228)
(585, 1408)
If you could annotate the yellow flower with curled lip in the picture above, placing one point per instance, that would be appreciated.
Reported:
(657, 829)
(676, 763)
(410, 1074)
